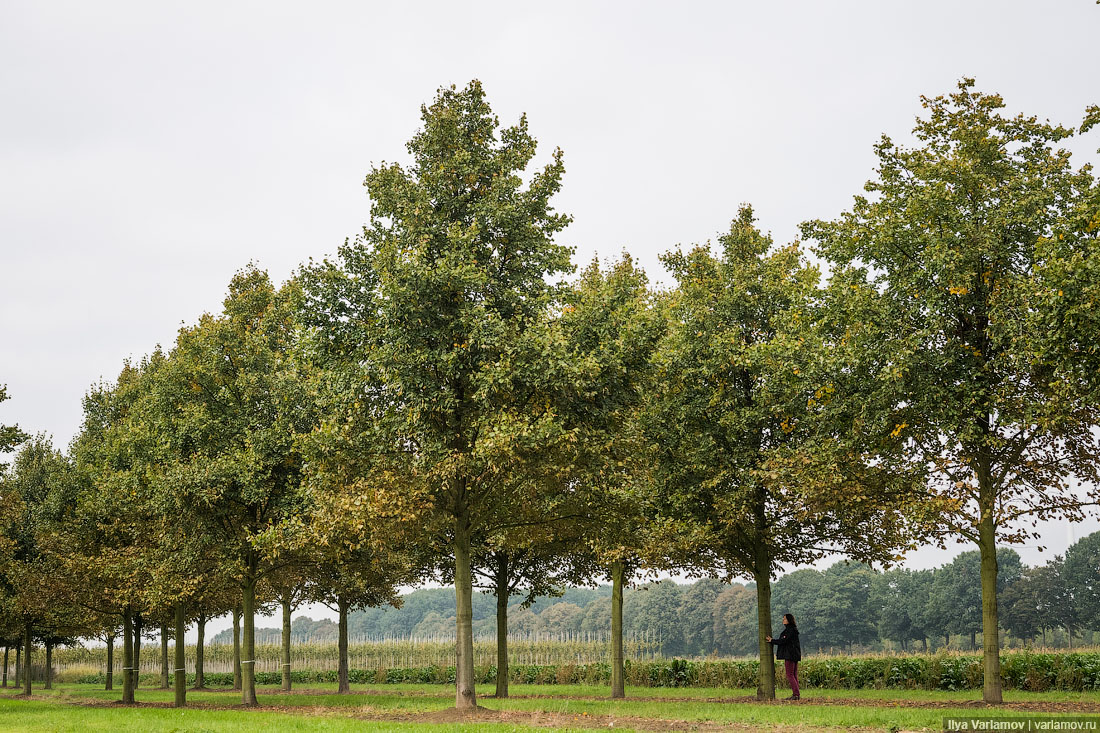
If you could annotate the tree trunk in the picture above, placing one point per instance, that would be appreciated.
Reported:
(248, 665)
(6, 650)
(127, 658)
(49, 665)
(991, 648)
(343, 687)
(237, 676)
(286, 644)
(502, 624)
(179, 671)
(137, 651)
(110, 662)
(28, 643)
(164, 656)
(200, 628)
(765, 680)
(465, 697)
(18, 664)
(618, 670)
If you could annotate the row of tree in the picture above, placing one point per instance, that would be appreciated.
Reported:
(437, 401)
(846, 607)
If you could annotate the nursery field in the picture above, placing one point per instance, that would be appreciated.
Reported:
(88, 708)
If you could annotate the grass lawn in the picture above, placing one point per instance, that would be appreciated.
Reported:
(316, 707)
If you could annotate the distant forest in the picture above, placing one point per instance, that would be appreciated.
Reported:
(848, 607)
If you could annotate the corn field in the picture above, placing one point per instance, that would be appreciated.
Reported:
(366, 654)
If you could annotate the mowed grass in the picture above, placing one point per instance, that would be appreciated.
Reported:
(316, 707)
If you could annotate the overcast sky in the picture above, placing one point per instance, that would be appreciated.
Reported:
(148, 150)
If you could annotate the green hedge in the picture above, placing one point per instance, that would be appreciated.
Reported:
(1021, 671)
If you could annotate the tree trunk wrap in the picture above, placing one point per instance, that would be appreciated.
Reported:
(248, 664)
(343, 686)
(765, 682)
(465, 697)
(164, 683)
(286, 645)
(127, 658)
(28, 644)
(618, 667)
(237, 649)
(110, 663)
(200, 628)
(991, 651)
(179, 672)
(136, 671)
(502, 625)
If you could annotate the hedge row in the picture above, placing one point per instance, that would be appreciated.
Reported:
(1021, 671)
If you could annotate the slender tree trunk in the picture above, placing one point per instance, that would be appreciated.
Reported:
(137, 651)
(237, 675)
(465, 697)
(618, 667)
(286, 644)
(200, 628)
(28, 644)
(991, 648)
(343, 687)
(164, 656)
(502, 624)
(765, 682)
(49, 665)
(7, 648)
(127, 658)
(110, 662)
(179, 673)
(18, 665)
(248, 665)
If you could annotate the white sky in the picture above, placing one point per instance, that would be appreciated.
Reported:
(148, 150)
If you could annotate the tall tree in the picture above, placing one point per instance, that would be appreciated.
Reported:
(612, 325)
(964, 242)
(233, 400)
(747, 454)
(459, 252)
(39, 485)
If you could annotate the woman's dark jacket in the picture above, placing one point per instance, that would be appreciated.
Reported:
(787, 646)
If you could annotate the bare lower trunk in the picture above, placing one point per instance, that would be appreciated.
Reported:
(991, 646)
(618, 667)
(110, 662)
(200, 629)
(127, 658)
(28, 643)
(236, 648)
(465, 697)
(18, 665)
(343, 686)
(6, 650)
(286, 645)
(164, 656)
(179, 673)
(765, 681)
(49, 665)
(502, 624)
(248, 665)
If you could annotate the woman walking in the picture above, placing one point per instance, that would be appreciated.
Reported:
(788, 649)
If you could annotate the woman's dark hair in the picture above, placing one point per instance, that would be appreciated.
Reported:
(790, 619)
